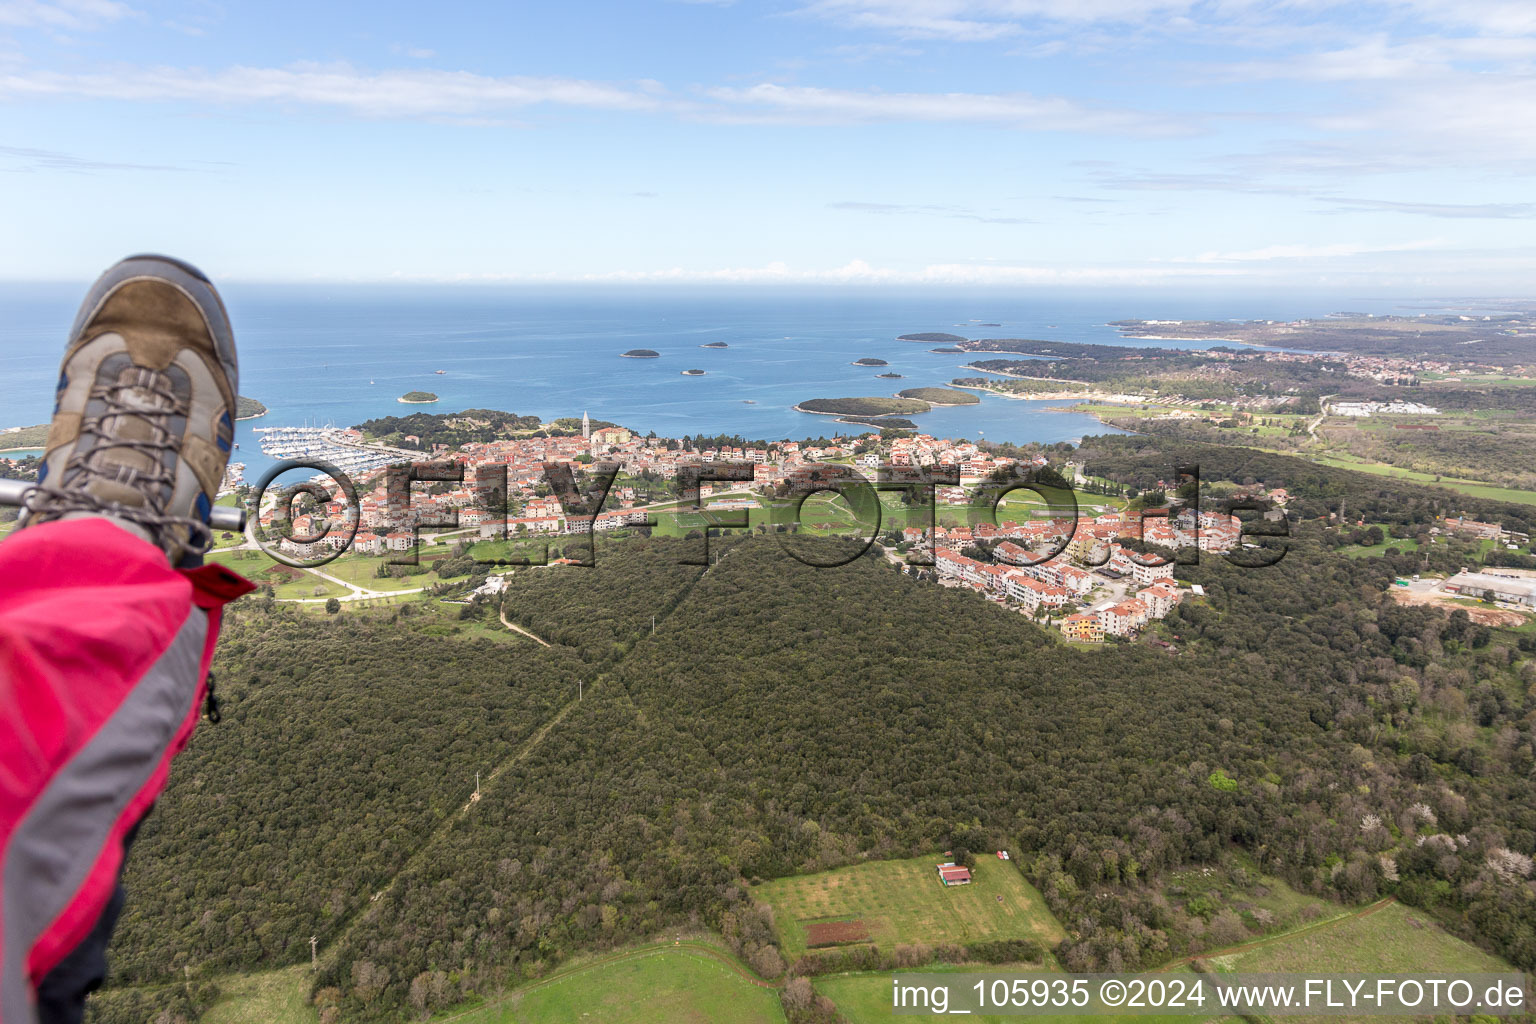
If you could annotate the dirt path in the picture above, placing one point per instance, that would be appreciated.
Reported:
(519, 629)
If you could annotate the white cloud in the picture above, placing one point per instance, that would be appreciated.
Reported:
(808, 104)
(1310, 253)
(465, 95)
(1459, 211)
(381, 94)
(983, 20)
(26, 159)
(68, 15)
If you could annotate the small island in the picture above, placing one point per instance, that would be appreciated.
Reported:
(715, 344)
(989, 325)
(248, 408)
(868, 361)
(883, 422)
(417, 398)
(862, 406)
(890, 376)
(940, 396)
(20, 439)
(939, 336)
(693, 373)
(641, 353)
(947, 351)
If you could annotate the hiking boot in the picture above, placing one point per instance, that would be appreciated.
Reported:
(144, 419)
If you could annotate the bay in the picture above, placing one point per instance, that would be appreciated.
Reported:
(327, 354)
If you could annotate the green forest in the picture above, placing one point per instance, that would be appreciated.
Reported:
(870, 406)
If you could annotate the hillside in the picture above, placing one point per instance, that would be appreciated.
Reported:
(249, 408)
(940, 396)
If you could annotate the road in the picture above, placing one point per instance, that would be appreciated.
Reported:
(514, 627)
(1322, 414)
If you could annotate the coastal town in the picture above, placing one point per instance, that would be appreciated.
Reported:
(1078, 572)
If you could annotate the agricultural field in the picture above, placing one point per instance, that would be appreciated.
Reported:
(901, 901)
(692, 983)
(866, 999)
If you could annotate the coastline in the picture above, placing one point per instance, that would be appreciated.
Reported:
(1023, 376)
(418, 401)
(813, 412)
(253, 416)
(1169, 337)
(1063, 396)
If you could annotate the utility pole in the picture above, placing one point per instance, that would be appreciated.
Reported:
(314, 956)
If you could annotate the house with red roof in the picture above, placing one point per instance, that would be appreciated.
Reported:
(954, 874)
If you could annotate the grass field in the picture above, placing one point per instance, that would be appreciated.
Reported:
(1391, 940)
(866, 999)
(356, 569)
(690, 984)
(271, 997)
(902, 901)
(1403, 544)
(261, 569)
(360, 570)
(1386, 939)
(1469, 487)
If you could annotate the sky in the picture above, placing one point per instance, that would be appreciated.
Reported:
(1039, 143)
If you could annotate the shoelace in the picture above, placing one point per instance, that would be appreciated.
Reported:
(50, 500)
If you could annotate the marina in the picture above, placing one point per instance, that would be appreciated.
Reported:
(338, 446)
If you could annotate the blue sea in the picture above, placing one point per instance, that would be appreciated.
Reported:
(321, 354)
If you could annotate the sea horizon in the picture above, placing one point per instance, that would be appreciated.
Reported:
(340, 355)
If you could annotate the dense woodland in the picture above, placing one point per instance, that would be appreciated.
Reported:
(451, 429)
(782, 719)
(871, 406)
